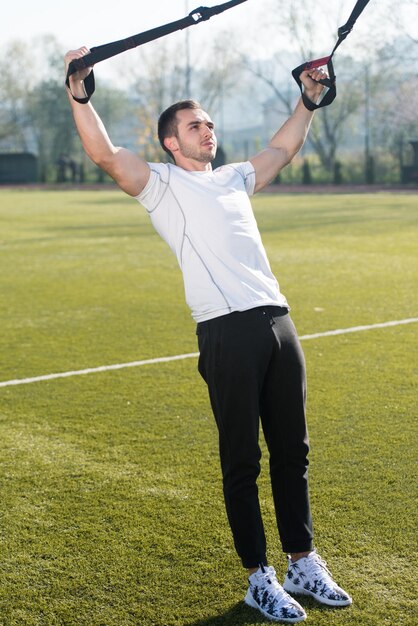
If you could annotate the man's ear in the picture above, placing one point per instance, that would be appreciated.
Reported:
(171, 144)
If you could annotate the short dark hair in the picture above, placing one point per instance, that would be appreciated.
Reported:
(167, 122)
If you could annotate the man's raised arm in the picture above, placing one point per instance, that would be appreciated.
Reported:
(129, 171)
(290, 138)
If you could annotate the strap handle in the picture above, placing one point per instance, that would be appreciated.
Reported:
(327, 82)
(106, 51)
(331, 94)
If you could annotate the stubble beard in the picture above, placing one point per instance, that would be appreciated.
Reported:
(204, 155)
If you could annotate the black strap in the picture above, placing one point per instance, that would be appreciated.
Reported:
(330, 82)
(345, 30)
(106, 51)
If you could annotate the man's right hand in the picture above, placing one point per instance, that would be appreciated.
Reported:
(76, 79)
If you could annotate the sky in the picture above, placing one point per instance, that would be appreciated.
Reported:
(95, 22)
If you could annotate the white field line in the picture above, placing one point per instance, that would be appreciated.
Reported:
(178, 357)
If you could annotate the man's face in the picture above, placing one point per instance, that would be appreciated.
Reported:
(195, 136)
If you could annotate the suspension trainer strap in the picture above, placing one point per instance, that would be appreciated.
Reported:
(106, 51)
(330, 82)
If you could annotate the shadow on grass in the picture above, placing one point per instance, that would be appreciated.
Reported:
(238, 615)
(242, 615)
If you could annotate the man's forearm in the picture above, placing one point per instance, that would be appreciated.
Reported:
(91, 130)
(292, 135)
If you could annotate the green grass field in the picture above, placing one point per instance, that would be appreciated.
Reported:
(111, 505)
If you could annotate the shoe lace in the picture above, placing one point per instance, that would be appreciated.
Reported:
(318, 569)
(268, 576)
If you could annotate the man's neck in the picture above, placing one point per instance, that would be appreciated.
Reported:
(191, 165)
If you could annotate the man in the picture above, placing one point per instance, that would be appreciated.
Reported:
(250, 356)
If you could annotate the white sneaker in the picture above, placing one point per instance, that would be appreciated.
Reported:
(268, 596)
(310, 576)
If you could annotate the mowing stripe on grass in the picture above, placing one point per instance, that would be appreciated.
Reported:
(178, 357)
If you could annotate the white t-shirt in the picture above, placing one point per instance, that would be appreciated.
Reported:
(207, 220)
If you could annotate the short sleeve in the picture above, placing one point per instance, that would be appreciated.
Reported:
(246, 171)
(156, 187)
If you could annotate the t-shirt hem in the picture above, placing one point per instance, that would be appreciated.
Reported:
(225, 311)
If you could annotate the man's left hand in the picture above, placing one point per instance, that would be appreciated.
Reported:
(310, 80)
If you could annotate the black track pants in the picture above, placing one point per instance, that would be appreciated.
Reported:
(254, 367)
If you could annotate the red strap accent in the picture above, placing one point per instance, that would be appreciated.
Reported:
(317, 63)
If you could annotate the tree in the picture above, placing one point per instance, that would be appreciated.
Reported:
(300, 22)
(404, 17)
(395, 116)
(162, 77)
(155, 82)
(330, 127)
(16, 80)
(34, 111)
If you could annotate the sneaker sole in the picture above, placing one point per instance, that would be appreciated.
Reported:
(295, 590)
(286, 620)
